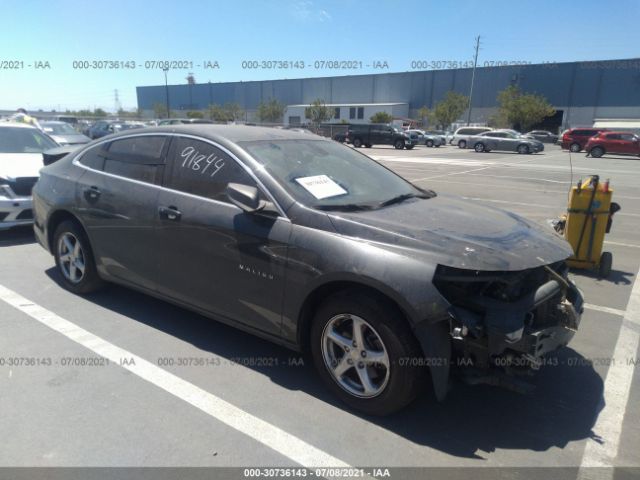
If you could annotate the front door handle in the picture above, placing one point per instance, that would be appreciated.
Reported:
(92, 193)
(170, 213)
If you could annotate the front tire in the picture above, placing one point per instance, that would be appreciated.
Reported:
(399, 144)
(429, 143)
(365, 353)
(357, 142)
(596, 152)
(462, 144)
(523, 149)
(74, 259)
(479, 147)
(575, 147)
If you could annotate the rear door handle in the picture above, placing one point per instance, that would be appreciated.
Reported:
(170, 213)
(92, 193)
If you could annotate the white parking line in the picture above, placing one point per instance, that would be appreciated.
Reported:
(269, 435)
(631, 245)
(600, 308)
(602, 449)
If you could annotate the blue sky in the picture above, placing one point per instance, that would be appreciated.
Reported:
(229, 32)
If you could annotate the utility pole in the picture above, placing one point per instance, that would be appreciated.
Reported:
(116, 101)
(473, 76)
(166, 91)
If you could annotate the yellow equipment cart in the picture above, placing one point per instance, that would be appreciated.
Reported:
(588, 218)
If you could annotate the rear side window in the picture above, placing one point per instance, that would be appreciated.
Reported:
(199, 168)
(585, 133)
(94, 157)
(137, 158)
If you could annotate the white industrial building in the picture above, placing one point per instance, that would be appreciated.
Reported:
(347, 112)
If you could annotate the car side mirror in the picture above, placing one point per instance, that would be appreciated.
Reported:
(245, 197)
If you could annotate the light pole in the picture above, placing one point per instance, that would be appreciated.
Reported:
(166, 91)
(473, 76)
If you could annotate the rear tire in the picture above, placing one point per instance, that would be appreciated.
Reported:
(74, 259)
(575, 147)
(479, 147)
(429, 143)
(596, 152)
(462, 144)
(392, 380)
(606, 263)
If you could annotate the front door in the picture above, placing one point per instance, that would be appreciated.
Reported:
(214, 255)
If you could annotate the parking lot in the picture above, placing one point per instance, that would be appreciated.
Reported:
(183, 390)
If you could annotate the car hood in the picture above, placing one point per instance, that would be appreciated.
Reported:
(457, 233)
(15, 165)
(71, 138)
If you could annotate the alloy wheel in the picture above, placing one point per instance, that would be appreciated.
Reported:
(355, 355)
(72, 259)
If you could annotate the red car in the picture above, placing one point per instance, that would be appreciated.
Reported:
(575, 139)
(625, 143)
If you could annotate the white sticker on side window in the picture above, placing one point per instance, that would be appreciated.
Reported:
(321, 186)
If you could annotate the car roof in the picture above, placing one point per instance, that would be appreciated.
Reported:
(618, 132)
(228, 133)
(16, 124)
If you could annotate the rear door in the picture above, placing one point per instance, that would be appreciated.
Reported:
(213, 255)
(117, 195)
(629, 143)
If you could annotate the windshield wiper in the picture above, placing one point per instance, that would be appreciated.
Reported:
(346, 207)
(407, 196)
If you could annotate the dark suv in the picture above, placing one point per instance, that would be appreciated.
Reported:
(575, 139)
(381, 134)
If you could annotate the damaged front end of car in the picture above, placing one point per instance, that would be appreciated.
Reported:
(503, 325)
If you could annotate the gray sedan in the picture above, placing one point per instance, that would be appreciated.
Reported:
(505, 140)
(63, 133)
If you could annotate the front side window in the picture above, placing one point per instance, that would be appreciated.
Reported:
(199, 168)
(137, 158)
(327, 175)
(24, 140)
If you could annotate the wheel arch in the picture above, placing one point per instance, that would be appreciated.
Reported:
(321, 292)
(55, 219)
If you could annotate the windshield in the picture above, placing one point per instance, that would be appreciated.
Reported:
(59, 129)
(24, 140)
(329, 175)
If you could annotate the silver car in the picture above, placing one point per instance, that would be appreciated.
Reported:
(505, 140)
(461, 136)
(63, 133)
(430, 140)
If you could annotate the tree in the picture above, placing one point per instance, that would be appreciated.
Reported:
(98, 112)
(270, 111)
(381, 117)
(449, 109)
(234, 111)
(521, 110)
(424, 115)
(318, 112)
(195, 114)
(160, 110)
